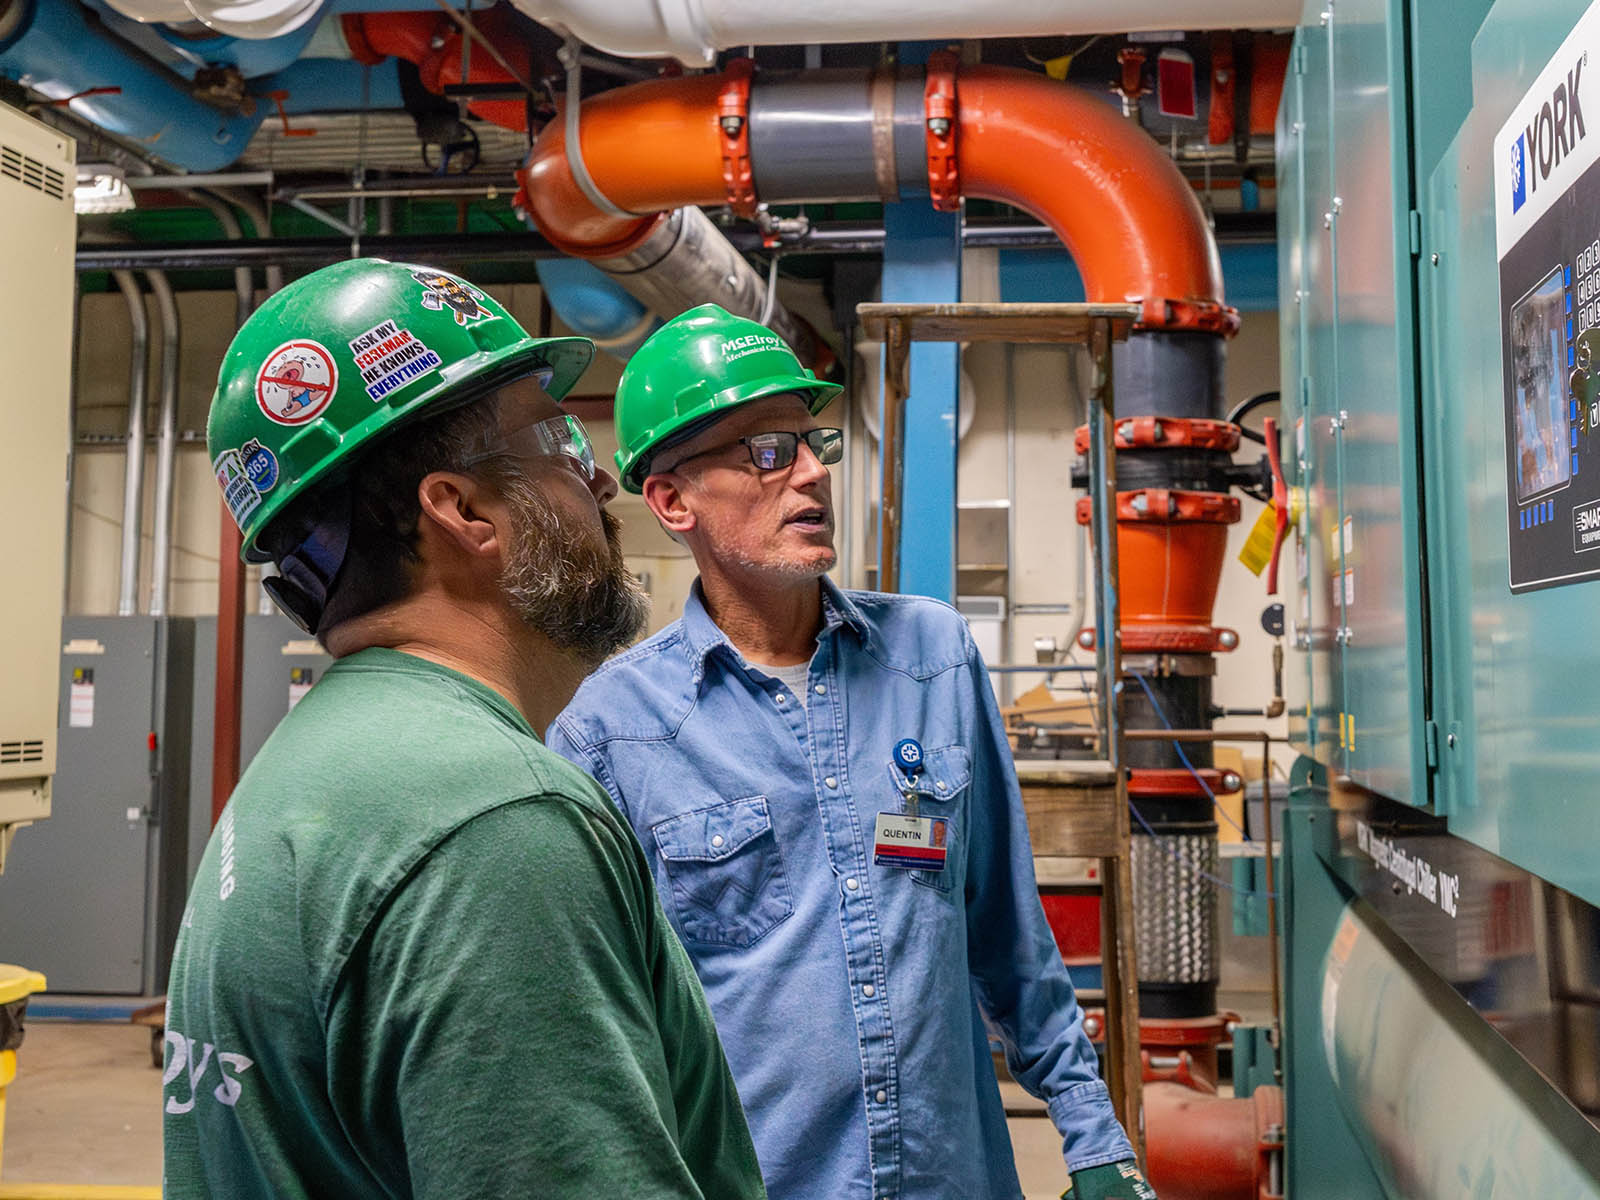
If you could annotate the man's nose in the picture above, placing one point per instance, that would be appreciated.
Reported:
(808, 468)
(603, 486)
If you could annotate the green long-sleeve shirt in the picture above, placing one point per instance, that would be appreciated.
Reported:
(423, 957)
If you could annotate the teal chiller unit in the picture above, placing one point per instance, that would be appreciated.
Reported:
(1439, 275)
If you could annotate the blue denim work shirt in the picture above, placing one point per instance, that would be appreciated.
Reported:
(851, 998)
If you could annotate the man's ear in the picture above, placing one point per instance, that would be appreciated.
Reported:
(664, 494)
(461, 511)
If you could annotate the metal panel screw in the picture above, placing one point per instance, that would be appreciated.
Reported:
(1450, 740)
(1435, 258)
(1227, 639)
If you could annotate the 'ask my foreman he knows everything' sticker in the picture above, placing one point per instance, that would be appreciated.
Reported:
(389, 357)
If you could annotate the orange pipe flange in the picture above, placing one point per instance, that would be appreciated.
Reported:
(939, 131)
(733, 119)
(1166, 433)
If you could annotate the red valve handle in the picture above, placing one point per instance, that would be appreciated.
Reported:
(1280, 501)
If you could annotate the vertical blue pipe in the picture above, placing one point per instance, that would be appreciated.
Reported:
(922, 264)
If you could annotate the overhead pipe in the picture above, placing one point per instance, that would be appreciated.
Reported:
(133, 473)
(55, 50)
(166, 444)
(694, 30)
(591, 303)
(679, 260)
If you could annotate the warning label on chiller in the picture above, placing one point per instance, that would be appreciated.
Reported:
(389, 357)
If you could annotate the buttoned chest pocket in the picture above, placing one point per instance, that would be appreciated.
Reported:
(725, 872)
(942, 788)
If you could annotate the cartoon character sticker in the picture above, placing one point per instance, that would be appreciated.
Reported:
(296, 382)
(260, 464)
(441, 291)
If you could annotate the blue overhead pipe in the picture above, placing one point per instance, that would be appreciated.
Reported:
(58, 53)
(593, 304)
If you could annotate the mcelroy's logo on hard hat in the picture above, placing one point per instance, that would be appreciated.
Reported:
(751, 343)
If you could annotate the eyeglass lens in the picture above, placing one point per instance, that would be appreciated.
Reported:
(774, 451)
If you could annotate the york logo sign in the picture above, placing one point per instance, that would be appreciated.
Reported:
(1553, 134)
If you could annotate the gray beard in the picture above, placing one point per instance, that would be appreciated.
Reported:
(580, 596)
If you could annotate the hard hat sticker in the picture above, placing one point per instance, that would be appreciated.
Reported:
(446, 291)
(260, 464)
(389, 357)
(238, 492)
(296, 382)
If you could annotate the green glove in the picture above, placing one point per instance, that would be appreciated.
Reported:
(1113, 1181)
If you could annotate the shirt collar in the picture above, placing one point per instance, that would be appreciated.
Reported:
(703, 638)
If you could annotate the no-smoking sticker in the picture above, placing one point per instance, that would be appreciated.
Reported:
(296, 382)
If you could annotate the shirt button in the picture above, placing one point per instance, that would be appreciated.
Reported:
(882, 1097)
(851, 884)
(831, 781)
(940, 785)
(781, 697)
(820, 690)
(868, 991)
(716, 840)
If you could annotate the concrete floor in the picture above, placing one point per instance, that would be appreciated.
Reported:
(86, 1108)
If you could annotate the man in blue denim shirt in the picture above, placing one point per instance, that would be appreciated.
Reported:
(855, 980)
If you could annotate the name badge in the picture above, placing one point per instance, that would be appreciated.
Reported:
(912, 843)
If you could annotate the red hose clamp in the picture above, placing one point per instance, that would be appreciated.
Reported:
(733, 123)
(1165, 433)
(1280, 501)
(939, 127)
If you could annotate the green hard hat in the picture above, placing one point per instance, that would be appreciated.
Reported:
(343, 356)
(699, 364)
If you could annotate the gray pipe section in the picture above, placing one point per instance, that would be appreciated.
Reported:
(687, 261)
(244, 297)
(838, 135)
(133, 476)
(252, 208)
(166, 445)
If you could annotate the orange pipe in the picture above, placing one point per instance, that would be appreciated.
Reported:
(1120, 205)
(1203, 1147)
(373, 37)
(650, 147)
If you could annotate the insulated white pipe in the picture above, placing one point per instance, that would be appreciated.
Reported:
(694, 30)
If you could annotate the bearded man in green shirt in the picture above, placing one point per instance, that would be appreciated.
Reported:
(423, 955)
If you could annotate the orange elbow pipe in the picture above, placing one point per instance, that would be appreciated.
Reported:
(1203, 1147)
(650, 147)
(1120, 206)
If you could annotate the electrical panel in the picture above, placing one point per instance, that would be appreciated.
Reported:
(37, 175)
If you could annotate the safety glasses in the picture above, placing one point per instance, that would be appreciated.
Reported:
(776, 450)
(557, 437)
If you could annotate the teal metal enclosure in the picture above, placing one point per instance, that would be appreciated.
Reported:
(1446, 689)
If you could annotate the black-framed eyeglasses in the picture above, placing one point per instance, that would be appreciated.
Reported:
(776, 450)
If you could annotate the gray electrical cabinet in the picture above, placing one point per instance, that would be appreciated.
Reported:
(95, 901)
(280, 665)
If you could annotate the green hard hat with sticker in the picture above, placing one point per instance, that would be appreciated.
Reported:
(697, 366)
(342, 357)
